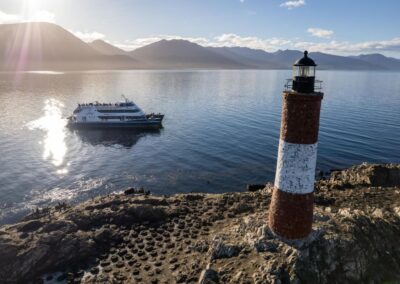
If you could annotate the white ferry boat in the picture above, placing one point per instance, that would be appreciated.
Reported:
(119, 115)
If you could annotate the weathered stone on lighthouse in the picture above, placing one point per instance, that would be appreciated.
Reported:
(291, 214)
(295, 171)
(291, 209)
(300, 117)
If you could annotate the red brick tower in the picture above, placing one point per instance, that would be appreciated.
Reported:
(291, 209)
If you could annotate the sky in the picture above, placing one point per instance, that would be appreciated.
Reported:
(343, 27)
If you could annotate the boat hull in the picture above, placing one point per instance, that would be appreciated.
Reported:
(145, 124)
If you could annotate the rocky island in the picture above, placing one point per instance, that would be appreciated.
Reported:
(135, 237)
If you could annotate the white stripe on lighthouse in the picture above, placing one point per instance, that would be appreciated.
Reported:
(295, 169)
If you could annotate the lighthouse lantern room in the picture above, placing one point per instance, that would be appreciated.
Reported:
(304, 74)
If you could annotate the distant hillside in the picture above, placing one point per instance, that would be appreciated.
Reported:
(255, 58)
(183, 54)
(45, 46)
(329, 61)
(380, 60)
(284, 59)
(106, 48)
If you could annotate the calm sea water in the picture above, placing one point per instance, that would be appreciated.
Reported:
(221, 132)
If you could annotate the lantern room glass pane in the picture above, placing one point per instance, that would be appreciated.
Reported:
(304, 71)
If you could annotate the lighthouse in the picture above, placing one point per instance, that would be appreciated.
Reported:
(292, 203)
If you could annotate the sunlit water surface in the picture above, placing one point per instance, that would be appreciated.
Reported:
(221, 132)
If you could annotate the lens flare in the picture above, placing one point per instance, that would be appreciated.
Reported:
(52, 123)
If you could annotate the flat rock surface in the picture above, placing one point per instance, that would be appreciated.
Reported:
(207, 238)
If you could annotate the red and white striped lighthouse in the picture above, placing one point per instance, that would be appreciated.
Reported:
(291, 209)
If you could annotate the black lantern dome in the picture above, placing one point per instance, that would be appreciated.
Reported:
(305, 61)
(304, 74)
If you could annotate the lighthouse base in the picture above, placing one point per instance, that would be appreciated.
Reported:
(291, 215)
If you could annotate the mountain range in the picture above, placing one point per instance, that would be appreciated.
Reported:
(46, 46)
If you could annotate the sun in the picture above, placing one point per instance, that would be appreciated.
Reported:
(31, 6)
(33, 11)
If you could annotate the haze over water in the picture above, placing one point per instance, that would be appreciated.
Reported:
(220, 133)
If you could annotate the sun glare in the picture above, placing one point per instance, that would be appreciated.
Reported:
(52, 123)
(32, 10)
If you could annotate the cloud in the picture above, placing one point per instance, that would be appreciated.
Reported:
(345, 47)
(250, 42)
(43, 16)
(36, 16)
(332, 46)
(293, 4)
(9, 18)
(228, 39)
(88, 36)
(317, 32)
(274, 44)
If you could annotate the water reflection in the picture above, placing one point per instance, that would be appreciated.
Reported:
(44, 72)
(54, 147)
(126, 138)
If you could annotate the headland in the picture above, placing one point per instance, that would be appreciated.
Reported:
(135, 237)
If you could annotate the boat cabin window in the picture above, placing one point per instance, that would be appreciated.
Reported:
(118, 110)
(134, 117)
(126, 104)
(109, 117)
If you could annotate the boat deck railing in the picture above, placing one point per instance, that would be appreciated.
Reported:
(109, 105)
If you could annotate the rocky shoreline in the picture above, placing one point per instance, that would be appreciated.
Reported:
(136, 237)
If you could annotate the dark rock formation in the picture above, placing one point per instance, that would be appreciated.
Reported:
(255, 187)
(209, 276)
(224, 250)
(368, 175)
(216, 238)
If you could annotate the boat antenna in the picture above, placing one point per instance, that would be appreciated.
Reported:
(123, 96)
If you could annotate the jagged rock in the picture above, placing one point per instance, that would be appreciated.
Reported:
(255, 187)
(60, 225)
(239, 277)
(263, 245)
(368, 175)
(354, 238)
(220, 249)
(129, 191)
(209, 276)
(194, 197)
(241, 207)
(324, 201)
(29, 226)
(200, 246)
(104, 235)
